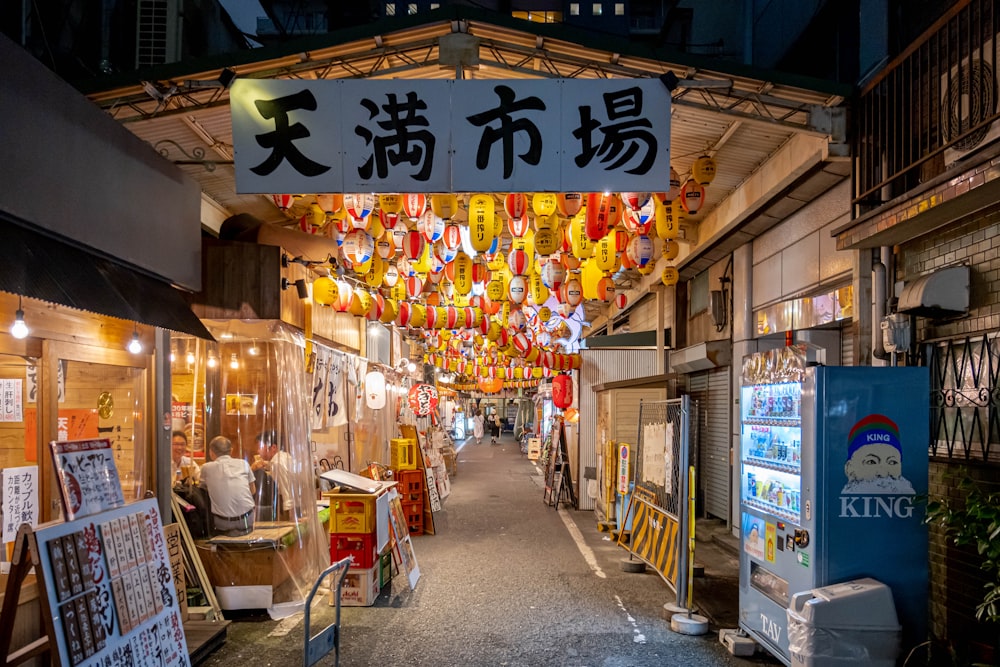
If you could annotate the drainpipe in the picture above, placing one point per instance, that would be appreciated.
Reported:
(879, 302)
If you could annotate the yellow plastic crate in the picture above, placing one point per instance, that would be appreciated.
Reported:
(403, 454)
(352, 513)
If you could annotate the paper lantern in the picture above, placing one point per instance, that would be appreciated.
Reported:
(543, 204)
(384, 246)
(569, 203)
(606, 289)
(537, 289)
(330, 203)
(452, 236)
(489, 385)
(675, 186)
(519, 262)
(443, 252)
(390, 308)
(413, 245)
(670, 250)
(517, 289)
(606, 254)
(640, 250)
(433, 319)
(324, 291)
(621, 300)
(703, 170)
(375, 390)
(665, 225)
(518, 226)
(670, 276)
(572, 293)
(423, 399)
(358, 246)
(515, 205)
(692, 196)
(596, 220)
(580, 244)
(444, 205)
(459, 271)
(544, 314)
(359, 206)
(431, 226)
(414, 286)
(283, 202)
(390, 203)
(376, 270)
(481, 220)
(635, 200)
(562, 391)
(361, 303)
(553, 275)
(547, 241)
(414, 205)
(550, 221)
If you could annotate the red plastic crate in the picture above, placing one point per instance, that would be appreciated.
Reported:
(414, 513)
(359, 547)
(411, 485)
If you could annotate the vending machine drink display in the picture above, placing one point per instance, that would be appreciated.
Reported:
(832, 460)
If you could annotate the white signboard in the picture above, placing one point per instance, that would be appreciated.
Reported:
(11, 401)
(557, 135)
(20, 499)
(88, 476)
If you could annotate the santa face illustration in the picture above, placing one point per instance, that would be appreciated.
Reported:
(875, 458)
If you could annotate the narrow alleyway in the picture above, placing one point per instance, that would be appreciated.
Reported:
(506, 580)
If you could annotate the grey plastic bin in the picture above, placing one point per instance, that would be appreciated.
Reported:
(849, 623)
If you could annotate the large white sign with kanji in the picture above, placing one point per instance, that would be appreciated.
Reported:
(555, 135)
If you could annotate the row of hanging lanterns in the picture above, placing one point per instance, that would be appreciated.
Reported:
(407, 262)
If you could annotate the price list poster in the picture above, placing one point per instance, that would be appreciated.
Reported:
(111, 591)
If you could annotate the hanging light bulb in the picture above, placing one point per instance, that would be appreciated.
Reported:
(190, 358)
(135, 345)
(173, 357)
(19, 329)
(252, 351)
(411, 367)
(211, 362)
(234, 363)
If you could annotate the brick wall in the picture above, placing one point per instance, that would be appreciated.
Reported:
(956, 582)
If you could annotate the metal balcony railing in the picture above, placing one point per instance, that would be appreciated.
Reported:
(933, 105)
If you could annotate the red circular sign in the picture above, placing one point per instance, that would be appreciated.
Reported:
(423, 399)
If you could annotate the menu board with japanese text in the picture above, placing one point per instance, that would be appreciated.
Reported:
(88, 476)
(111, 591)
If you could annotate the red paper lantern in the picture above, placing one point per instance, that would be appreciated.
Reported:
(423, 399)
(516, 206)
(452, 236)
(284, 202)
(598, 210)
(562, 391)
(621, 300)
(414, 286)
(518, 261)
(413, 245)
(414, 205)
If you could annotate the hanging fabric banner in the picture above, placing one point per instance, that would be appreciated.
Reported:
(336, 412)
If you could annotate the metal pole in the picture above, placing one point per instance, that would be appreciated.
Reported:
(685, 513)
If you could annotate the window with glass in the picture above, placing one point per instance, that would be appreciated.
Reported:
(598, 9)
(390, 9)
(619, 9)
(574, 9)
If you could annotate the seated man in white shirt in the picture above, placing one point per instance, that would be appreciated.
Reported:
(231, 488)
(185, 469)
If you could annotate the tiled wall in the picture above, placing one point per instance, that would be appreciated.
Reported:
(975, 243)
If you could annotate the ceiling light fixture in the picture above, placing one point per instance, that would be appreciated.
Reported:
(19, 329)
(135, 345)
(234, 363)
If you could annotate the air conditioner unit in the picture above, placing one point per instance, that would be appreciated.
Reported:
(969, 95)
(158, 32)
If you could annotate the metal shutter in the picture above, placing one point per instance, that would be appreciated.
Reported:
(846, 345)
(711, 390)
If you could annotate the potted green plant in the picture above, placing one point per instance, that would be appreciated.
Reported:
(974, 522)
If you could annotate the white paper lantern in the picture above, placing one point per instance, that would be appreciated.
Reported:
(375, 390)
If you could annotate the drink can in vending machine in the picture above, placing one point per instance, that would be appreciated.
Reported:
(751, 484)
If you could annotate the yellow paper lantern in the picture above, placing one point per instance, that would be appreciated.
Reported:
(581, 247)
(670, 276)
(390, 203)
(389, 311)
(671, 249)
(361, 304)
(481, 222)
(444, 205)
(325, 291)
(606, 254)
(703, 170)
(543, 204)
(666, 226)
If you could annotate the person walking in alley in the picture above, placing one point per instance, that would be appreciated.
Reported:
(478, 426)
(494, 428)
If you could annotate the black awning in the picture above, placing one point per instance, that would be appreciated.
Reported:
(44, 267)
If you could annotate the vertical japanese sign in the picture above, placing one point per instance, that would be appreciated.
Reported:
(462, 136)
(20, 499)
(623, 458)
(88, 477)
(11, 401)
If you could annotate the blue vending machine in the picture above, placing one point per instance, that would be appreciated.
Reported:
(832, 459)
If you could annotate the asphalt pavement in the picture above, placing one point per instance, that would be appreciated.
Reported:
(509, 580)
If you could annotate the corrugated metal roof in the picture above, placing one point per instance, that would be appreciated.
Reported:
(743, 123)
